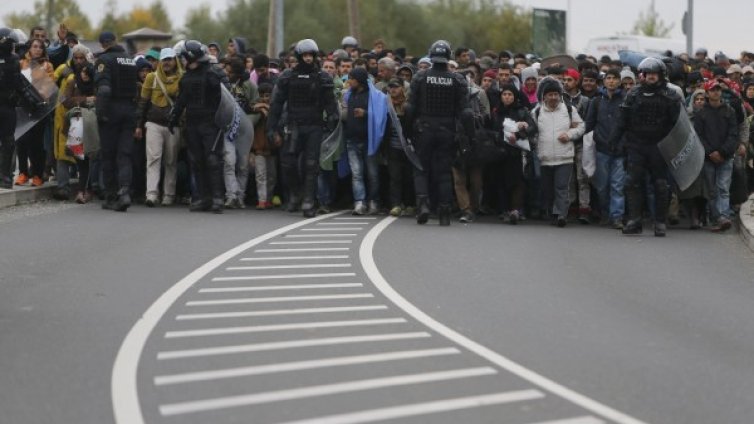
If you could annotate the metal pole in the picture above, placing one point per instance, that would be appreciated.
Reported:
(279, 27)
(690, 29)
(568, 28)
(353, 19)
(271, 31)
(48, 21)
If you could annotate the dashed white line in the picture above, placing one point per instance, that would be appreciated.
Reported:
(301, 365)
(281, 327)
(298, 311)
(577, 420)
(320, 235)
(313, 242)
(425, 408)
(342, 223)
(278, 299)
(331, 229)
(285, 276)
(280, 287)
(323, 390)
(347, 218)
(290, 258)
(310, 249)
(296, 266)
(292, 344)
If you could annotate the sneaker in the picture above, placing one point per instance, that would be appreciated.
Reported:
(230, 203)
(409, 211)
(310, 212)
(62, 194)
(216, 208)
(632, 228)
(37, 182)
(200, 206)
(168, 200)
(660, 229)
(561, 222)
(151, 201)
(396, 211)
(513, 218)
(616, 224)
(324, 210)
(21, 179)
(6, 182)
(276, 201)
(584, 216)
(359, 208)
(467, 217)
(261, 205)
(81, 198)
(374, 208)
(723, 224)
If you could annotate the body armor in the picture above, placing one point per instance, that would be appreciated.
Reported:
(439, 97)
(304, 99)
(651, 117)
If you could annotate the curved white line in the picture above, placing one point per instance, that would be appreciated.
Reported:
(125, 397)
(370, 268)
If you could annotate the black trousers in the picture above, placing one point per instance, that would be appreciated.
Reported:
(7, 140)
(30, 149)
(117, 145)
(299, 161)
(205, 149)
(436, 148)
(643, 159)
(400, 171)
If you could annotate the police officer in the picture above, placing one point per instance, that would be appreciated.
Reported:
(200, 95)
(647, 116)
(307, 95)
(10, 84)
(439, 101)
(116, 88)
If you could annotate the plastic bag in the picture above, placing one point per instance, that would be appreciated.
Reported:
(510, 127)
(589, 155)
(75, 142)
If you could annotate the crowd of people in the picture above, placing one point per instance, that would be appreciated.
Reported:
(453, 132)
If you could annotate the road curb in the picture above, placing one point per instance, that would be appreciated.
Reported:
(746, 222)
(22, 195)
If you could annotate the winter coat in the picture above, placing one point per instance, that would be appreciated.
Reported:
(601, 118)
(153, 105)
(717, 129)
(550, 124)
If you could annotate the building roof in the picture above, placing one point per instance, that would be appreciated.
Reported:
(147, 33)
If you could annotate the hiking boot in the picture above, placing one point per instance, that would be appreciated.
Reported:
(660, 229)
(36, 181)
(21, 179)
(396, 211)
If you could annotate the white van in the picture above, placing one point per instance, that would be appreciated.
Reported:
(601, 46)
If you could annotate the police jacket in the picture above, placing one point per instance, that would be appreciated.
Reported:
(199, 95)
(10, 80)
(647, 115)
(439, 96)
(308, 94)
(115, 78)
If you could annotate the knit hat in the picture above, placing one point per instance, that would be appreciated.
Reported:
(529, 72)
(491, 73)
(626, 73)
(359, 74)
(548, 85)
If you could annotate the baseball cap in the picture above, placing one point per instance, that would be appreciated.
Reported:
(167, 53)
(106, 37)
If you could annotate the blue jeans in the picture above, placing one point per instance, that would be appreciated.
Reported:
(717, 178)
(609, 179)
(360, 162)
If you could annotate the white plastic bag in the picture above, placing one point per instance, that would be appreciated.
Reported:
(75, 142)
(589, 155)
(510, 127)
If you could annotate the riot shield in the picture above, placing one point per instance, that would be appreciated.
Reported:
(40, 96)
(331, 145)
(408, 147)
(683, 152)
(234, 122)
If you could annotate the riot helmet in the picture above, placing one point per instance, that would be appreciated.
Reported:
(349, 41)
(304, 46)
(194, 52)
(439, 52)
(179, 48)
(653, 65)
(8, 39)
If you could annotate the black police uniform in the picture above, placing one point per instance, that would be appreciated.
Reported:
(439, 99)
(116, 84)
(647, 115)
(10, 85)
(307, 94)
(200, 95)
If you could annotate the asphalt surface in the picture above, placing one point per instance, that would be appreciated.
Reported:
(658, 329)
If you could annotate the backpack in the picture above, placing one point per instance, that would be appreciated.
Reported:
(568, 104)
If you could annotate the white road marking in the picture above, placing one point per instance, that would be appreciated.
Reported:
(301, 365)
(312, 249)
(330, 229)
(424, 408)
(313, 242)
(320, 235)
(370, 267)
(281, 327)
(343, 223)
(123, 385)
(323, 390)
(293, 344)
(299, 311)
(363, 218)
(281, 287)
(285, 276)
(577, 420)
(287, 258)
(297, 266)
(278, 299)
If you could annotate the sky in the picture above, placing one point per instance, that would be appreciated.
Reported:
(715, 22)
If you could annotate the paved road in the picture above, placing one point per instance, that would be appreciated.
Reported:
(299, 325)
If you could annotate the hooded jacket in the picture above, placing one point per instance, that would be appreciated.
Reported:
(153, 105)
(527, 73)
(553, 122)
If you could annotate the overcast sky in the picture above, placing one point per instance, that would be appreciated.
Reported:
(718, 24)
